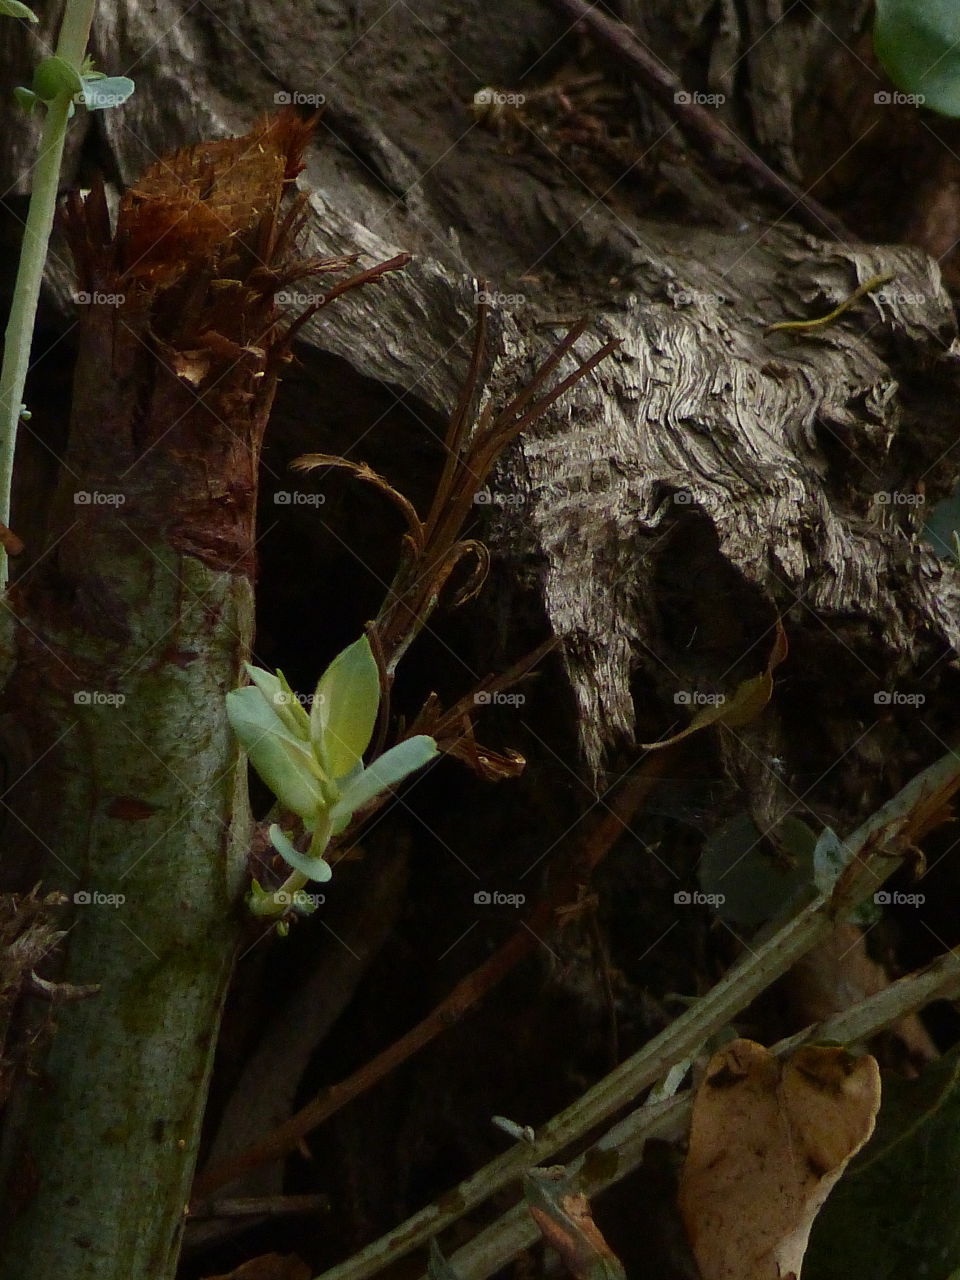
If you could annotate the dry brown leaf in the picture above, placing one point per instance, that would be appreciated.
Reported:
(566, 1223)
(747, 702)
(769, 1140)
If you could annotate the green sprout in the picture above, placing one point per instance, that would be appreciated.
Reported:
(86, 87)
(313, 763)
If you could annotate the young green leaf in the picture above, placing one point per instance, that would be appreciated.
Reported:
(262, 902)
(345, 707)
(281, 698)
(313, 868)
(385, 772)
(14, 9)
(101, 92)
(55, 77)
(918, 44)
(284, 762)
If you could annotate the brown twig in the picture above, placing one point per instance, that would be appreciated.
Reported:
(286, 1137)
(370, 276)
(702, 126)
(261, 1206)
(415, 591)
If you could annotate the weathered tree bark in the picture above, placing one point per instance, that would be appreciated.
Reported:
(709, 478)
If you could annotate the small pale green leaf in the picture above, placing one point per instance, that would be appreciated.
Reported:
(282, 700)
(55, 77)
(14, 9)
(101, 92)
(28, 100)
(313, 868)
(284, 763)
(344, 709)
(387, 771)
(830, 858)
(918, 44)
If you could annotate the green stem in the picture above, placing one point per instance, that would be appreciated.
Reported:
(74, 34)
(276, 904)
(75, 31)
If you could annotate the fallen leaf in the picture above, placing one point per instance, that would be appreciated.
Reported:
(768, 1141)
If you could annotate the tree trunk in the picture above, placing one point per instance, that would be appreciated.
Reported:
(130, 628)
